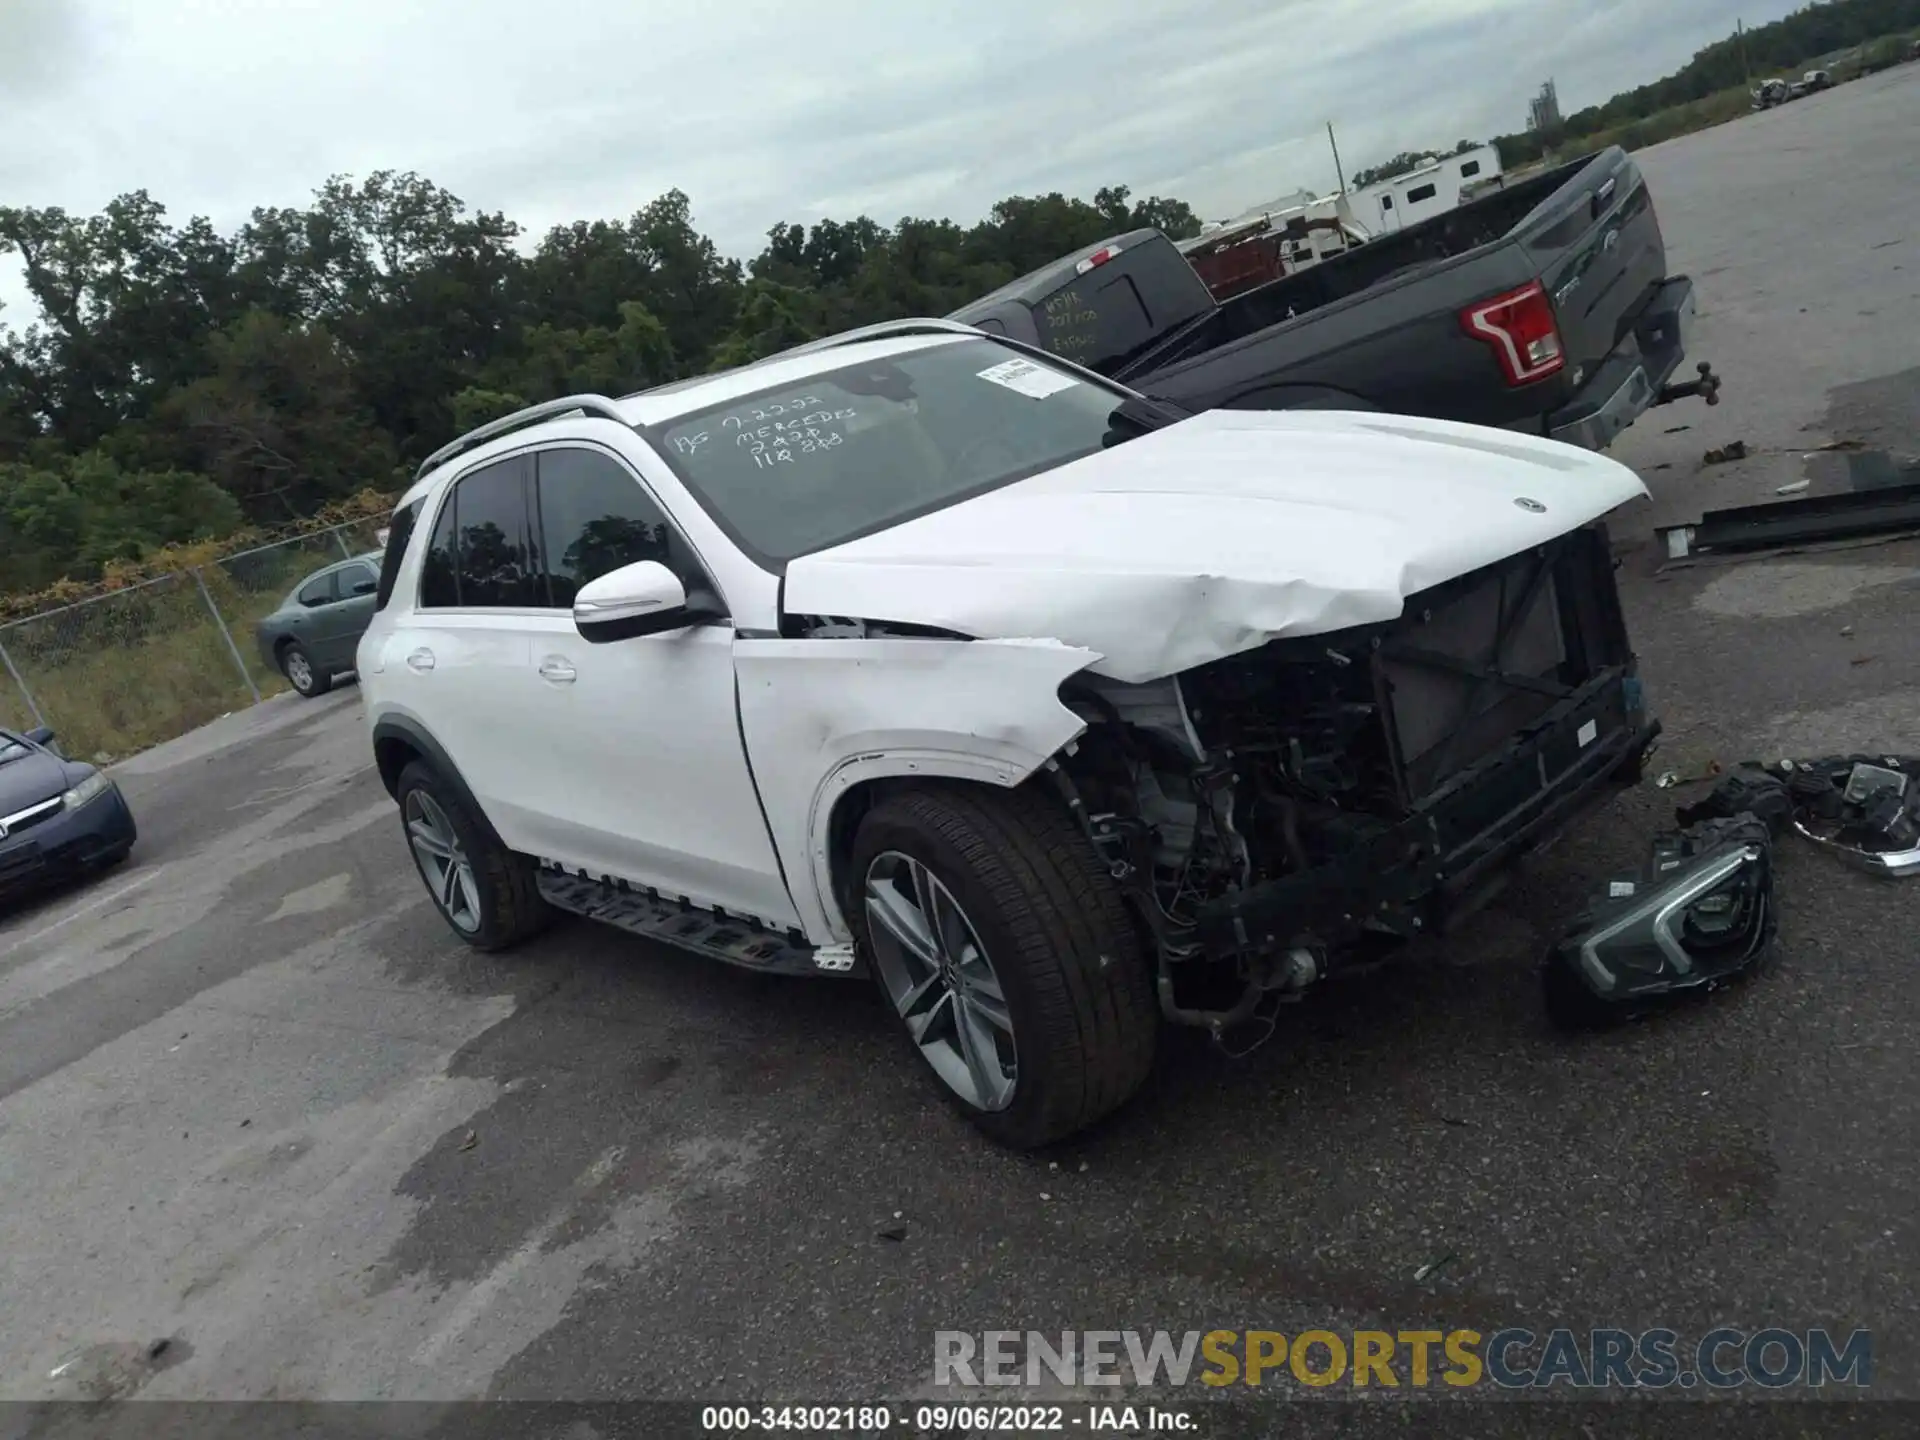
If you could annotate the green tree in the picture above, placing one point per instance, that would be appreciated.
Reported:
(279, 422)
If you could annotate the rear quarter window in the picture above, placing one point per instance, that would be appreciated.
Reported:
(398, 533)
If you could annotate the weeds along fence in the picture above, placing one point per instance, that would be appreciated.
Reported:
(120, 672)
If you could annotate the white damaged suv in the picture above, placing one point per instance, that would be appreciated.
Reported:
(1062, 714)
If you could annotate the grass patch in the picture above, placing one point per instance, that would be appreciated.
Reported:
(123, 673)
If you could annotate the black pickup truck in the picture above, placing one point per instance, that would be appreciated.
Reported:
(1544, 306)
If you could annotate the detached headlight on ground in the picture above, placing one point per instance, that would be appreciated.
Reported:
(1700, 912)
(91, 788)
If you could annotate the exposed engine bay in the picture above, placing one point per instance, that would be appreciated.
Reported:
(1306, 805)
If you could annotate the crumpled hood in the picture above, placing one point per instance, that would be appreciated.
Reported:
(1218, 534)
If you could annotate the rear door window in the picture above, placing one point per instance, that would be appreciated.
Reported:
(439, 584)
(481, 556)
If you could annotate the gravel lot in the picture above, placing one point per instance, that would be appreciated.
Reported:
(254, 1098)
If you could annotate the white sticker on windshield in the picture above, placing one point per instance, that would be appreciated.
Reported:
(1034, 381)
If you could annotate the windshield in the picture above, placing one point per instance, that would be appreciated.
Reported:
(850, 451)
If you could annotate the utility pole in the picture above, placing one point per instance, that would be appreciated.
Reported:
(1740, 33)
(1338, 172)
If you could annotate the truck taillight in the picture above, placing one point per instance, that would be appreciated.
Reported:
(1098, 257)
(1519, 326)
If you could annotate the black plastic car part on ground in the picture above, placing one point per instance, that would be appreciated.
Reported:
(1864, 808)
(1698, 913)
(58, 818)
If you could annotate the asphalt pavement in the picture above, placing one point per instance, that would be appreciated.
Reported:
(256, 1101)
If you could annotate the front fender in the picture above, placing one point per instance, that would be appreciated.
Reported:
(822, 716)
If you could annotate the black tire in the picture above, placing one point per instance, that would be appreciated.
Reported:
(294, 661)
(511, 908)
(1067, 954)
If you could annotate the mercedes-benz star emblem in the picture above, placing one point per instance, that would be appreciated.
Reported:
(1532, 505)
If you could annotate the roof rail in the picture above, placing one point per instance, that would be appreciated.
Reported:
(881, 331)
(596, 405)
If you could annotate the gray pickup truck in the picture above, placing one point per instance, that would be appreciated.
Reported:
(1544, 307)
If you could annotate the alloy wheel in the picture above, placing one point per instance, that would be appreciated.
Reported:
(442, 860)
(941, 981)
(300, 671)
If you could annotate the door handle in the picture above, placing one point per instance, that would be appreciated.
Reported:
(559, 671)
(420, 660)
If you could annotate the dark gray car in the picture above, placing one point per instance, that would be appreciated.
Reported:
(312, 636)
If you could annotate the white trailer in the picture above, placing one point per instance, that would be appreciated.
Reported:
(1433, 189)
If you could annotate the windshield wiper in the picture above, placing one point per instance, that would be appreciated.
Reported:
(1141, 415)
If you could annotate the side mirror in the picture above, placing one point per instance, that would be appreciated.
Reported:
(644, 598)
(43, 735)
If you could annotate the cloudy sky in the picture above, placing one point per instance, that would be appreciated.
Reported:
(563, 109)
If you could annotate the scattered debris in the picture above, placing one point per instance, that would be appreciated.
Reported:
(245, 1123)
(1663, 466)
(1734, 450)
(1777, 524)
(1862, 807)
(1670, 778)
(1846, 630)
(1675, 429)
(1432, 1267)
(892, 1234)
(159, 1347)
(1749, 790)
(1862, 660)
(1045, 1196)
(1793, 487)
(1084, 1167)
(473, 1139)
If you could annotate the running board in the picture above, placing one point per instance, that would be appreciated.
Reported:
(712, 933)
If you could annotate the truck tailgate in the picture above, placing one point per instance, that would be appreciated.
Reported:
(1597, 247)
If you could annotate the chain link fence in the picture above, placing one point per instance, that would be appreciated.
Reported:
(124, 671)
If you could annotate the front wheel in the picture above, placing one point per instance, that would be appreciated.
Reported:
(486, 893)
(1009, 956)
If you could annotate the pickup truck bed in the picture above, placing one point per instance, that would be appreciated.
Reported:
(1543, 307)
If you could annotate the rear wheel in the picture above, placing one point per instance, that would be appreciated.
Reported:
(1008, 956)
(488, 895)
(306, 678)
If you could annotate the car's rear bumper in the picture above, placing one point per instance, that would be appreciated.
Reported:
(67, 843)
(1629, 382)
